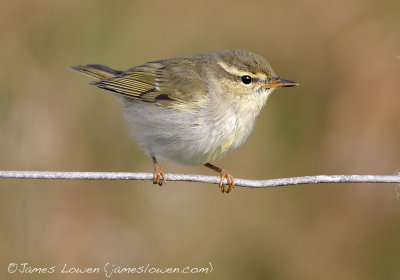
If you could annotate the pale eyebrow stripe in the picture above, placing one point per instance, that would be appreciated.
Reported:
(234, 71)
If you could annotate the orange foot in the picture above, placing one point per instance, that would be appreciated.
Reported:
(224, 175)
(229, 179)
(158, 175)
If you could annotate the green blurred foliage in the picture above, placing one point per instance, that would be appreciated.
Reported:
(344, 118)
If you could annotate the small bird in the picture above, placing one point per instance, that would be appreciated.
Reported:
(191, 109)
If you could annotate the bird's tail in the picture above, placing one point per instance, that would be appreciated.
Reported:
(97, 71)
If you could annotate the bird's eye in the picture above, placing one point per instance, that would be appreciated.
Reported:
(246, 79)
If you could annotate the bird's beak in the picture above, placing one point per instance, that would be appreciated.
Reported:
(279, 82)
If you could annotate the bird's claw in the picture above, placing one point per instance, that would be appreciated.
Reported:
(158, 176)
(226, 188)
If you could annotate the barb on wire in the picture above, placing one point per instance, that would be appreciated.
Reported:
(202, 178)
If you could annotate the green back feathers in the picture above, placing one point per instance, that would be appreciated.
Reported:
(182, 80)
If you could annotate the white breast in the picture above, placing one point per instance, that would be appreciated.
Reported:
(193, 137)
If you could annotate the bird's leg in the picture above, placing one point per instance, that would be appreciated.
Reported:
(158, 175)
(224, 175)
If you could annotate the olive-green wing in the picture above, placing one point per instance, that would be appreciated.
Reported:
(167, 83)
(141, 82)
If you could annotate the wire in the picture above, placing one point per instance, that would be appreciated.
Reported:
(319, 179)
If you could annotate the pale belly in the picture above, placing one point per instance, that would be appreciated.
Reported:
(186, 138)
(192, 137)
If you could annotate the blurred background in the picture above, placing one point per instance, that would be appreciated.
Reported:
(343, 119)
